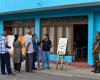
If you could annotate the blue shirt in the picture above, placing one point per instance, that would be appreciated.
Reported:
(35, 45)
(3, 43)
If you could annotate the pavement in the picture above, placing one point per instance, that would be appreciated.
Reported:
(68, 73)
(73, 71)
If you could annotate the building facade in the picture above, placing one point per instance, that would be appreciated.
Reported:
(78, 20)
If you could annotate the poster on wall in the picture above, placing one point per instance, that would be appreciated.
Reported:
(21, 39)
(62, 45)
(10, 39)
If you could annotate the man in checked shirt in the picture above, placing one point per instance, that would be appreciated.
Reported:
(5, 57)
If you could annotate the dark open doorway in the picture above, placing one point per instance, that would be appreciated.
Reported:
(80, 42)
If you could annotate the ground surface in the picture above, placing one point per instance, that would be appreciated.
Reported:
(41, 76)
(69, 73)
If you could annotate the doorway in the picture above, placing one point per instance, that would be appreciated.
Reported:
(80, 33)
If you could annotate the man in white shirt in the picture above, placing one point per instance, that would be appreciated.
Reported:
(29, 51)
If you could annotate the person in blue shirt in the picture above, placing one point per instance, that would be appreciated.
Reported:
(36, 49)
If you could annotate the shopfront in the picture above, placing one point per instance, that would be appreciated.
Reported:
(78, 22)
(71, 28)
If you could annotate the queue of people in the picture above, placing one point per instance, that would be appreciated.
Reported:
(34, 52)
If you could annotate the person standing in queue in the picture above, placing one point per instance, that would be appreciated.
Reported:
(5, 56)
(36, 50)
(46, 46)
(29, 51)
(17, 56)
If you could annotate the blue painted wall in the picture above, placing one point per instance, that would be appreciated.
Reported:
(90, 37)
(13, 5)
(93, 27)
(51, 13)
(1, 27)
(97, 21)
(54, 57)
(37, 27)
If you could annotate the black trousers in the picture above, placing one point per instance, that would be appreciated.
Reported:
(96, 67)
(17, 66)
(28, 62)
(34, 60)
(5, 62)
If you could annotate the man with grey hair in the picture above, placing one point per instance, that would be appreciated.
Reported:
(29, 51)
(5, 57)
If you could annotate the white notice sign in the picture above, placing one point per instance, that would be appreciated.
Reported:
(62, 46)
(10, 39)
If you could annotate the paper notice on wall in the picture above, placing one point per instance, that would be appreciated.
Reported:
(62, 45)
(10, 39)
(21, 39)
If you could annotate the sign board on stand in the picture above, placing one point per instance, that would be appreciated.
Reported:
(61, 51)
(62, 46)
